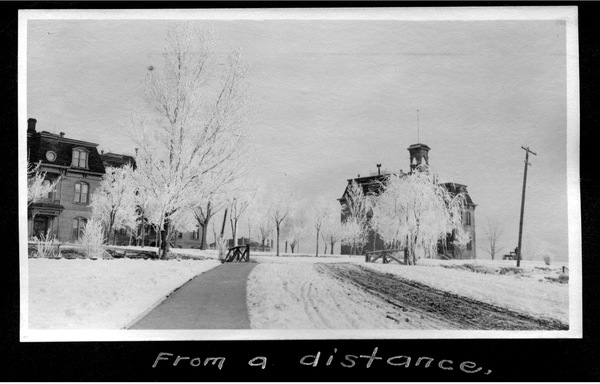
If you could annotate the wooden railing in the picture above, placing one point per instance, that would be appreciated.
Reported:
(238, 254)
(386, 256)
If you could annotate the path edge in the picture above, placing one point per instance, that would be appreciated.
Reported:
(156, 304)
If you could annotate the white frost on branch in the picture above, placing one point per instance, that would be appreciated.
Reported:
(416, 212)
(192, 135)
(38, 187)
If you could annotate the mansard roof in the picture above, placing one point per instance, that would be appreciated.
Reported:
(116, 160)
(455, 188)
(39, 143)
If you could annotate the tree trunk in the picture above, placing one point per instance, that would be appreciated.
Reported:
(292, 246)
(114, 236)
(325, 250)
(332, 244)
(224, 221)
(204, 231)
(317, 253)
(277, 240)
(234, 231)
(164, 240)
(109, 230)
(262, 246)
(286, 246)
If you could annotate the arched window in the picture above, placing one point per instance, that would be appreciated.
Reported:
(80, 158)
(82, 191)
(77, 226)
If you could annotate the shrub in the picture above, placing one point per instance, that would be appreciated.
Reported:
(47, 247)
(547, 259)
(91, 240)
(510, 271)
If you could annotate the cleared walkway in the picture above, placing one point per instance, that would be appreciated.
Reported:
(215, 299)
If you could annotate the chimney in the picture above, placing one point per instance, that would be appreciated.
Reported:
(31, 125)
(378, 169)
(62, 134)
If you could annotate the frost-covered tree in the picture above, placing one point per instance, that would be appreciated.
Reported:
(38, 187)
(237, 203)
(356, 224)
(114, 201)
(204, 211)
(332, 231)
(279, 209)
(318, 212)
(192, 133)
(264, 226)
(295, 226)
(354, 234)
(416, 213)
(492, 234)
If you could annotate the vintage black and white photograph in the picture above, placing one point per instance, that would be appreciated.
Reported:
(299, 173)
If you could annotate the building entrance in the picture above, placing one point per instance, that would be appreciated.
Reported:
(40, 226)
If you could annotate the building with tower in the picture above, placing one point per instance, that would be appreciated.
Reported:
(372, 185)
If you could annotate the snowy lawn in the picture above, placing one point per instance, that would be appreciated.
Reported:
(102, 294)
(528, 292)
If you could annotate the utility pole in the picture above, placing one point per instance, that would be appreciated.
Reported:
(527, 152)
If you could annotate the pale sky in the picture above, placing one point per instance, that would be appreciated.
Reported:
(333, 98)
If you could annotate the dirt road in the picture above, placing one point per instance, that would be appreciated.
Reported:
(408, 299)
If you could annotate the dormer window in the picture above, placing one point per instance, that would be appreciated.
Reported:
(80, 158)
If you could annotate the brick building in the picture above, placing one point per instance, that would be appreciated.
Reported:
(64, 212)
(372, 184)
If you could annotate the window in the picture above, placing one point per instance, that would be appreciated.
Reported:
(469, 246)
(78, 225)
(80, 157)
(196, 235)
(50, 194)
(180, 235)
(81, 193)
(467, 218)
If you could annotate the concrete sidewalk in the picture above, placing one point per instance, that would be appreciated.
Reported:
(216, 299)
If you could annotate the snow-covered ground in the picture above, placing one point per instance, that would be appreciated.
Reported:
(102, 294)
(295, 295)
(528, 292)
(288, 293)
(291, 291)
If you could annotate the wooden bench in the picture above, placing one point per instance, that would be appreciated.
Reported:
(510, 256)
(385, 256)
(238, 254)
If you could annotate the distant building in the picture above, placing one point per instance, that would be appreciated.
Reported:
(64, 211)
(373, 184)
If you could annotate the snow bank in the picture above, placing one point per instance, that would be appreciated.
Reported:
(101, 294)
(520, 293)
